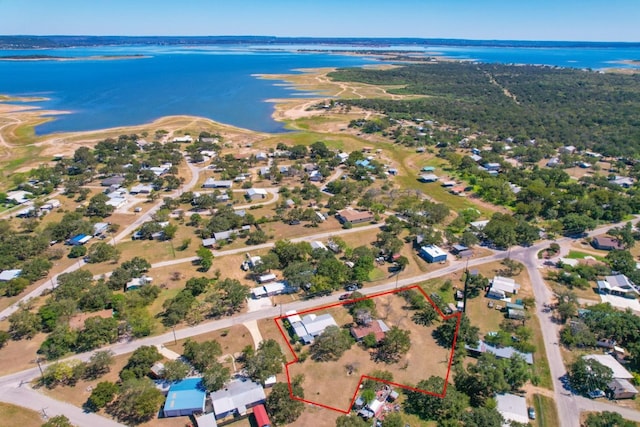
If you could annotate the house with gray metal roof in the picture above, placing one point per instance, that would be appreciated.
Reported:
(312, 325)
(236, 397)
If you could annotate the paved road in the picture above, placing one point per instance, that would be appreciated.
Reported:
(569, 406)
(26, 397)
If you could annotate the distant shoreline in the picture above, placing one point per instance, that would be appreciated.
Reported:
(71, 58)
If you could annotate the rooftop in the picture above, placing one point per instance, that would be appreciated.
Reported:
(610, 362)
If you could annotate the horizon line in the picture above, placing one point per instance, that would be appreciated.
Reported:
(229, 36)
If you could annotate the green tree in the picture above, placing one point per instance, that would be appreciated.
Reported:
(426, 316)
(621, 261)
(215, 376)
(482, 380)
(446, 332)
(351, 421)
(202, 355)
(23, 324)
(4, 338)
(482, 417)
(98, 206)
(77, 251)
(393, 420)
(102, 395)
(265, 362)
(59, 342)
(394, 345)
(101, 252)
(586, 375)
(575, 223)
(97, 332)
(197, 285)
(607, 419)
(140, 361)
(280, 406)
(175, 370)
(99, 363)
(139, 401)
(58, 421)
(430, 407)
(331, 344)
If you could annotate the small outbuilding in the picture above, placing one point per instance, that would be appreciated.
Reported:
(432, 253)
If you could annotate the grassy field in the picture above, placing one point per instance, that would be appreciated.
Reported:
(583, 255)
(12, 415)
(546, 412)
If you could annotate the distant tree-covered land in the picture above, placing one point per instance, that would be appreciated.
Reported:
(599, 111)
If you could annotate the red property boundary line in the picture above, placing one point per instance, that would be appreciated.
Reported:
(457, 315)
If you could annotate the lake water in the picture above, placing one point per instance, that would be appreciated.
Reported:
(214, 82)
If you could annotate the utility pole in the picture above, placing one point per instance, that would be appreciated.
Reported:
(466, 284)
(175, 341)
(39, 367)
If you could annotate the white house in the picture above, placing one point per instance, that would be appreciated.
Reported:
(312, 325)
(8, 275)
(213, 183)
(256, 194)
(512, 408)
(504, 284)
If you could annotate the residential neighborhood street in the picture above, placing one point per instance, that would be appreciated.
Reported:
(569, 405)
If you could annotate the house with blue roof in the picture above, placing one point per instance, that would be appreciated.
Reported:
(185, 397)
(364, 163)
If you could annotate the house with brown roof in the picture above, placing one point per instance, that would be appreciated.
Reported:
(353, 216)
(378, 328)
(607, 243)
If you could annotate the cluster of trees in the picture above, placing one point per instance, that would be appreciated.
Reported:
(450, 409)
(603, 322)
(317, 271)
(224, 299)
(70, 372)
(77, 292)
(587, 375)
(27, 251)
(460, 94)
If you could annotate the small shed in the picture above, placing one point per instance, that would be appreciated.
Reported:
(516, 314)
(266, 278)
(260, 414)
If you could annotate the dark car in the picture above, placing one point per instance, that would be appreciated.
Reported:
(532, 413)
(294, 222)
(351, 287)
(344, 297)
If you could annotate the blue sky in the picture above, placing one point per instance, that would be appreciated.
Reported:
(595, 20)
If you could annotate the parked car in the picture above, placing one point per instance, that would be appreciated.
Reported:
(532, 413)
(596, 394)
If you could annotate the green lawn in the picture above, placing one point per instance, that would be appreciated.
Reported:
(546, 412)
(582, 255)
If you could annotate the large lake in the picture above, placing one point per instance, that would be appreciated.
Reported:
(214, 82)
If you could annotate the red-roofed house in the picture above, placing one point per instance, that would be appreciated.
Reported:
(377, 328)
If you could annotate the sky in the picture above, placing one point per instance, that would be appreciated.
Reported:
(575, 20)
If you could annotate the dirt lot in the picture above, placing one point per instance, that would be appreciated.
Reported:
(323, 379)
